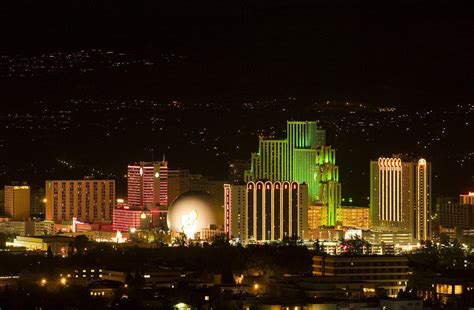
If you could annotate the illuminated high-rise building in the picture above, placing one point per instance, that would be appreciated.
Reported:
(458, 215)
(266, 211)
(400, 196)
(354, 217)
(423, 200)
(89, 201)
(317, 216)
(147, 184)
(302, 157)
(467, 199)
(17, 202)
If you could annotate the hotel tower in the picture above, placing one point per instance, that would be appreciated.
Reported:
(301, 157)
(400, 196)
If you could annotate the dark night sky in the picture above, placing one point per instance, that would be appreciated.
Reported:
(411, 52)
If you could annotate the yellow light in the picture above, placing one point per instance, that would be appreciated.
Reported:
(44, 200)
(63, 281)
(43, 281)
(120, 200)
(126, 285)
(255, 286)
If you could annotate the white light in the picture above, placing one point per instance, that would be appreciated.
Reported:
(189, 223)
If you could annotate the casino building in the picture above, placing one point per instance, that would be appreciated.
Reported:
(266, 211)
(400, 195)
(302, 157)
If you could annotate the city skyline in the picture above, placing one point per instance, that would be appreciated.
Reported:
(215, 71)
(255, 154)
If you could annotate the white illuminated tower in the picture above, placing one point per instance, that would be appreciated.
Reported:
(423, 200)
(400, 196)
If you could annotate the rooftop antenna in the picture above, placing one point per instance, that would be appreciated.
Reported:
(163, 156)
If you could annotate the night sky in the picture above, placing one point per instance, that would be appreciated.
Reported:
(409, 54)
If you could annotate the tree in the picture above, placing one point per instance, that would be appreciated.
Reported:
(220, 241)
(49, 252)
(318, 249)
(290, 241)
(3, 240)
(80, 243)
(452, 254)
(180, 240)
(355, 246)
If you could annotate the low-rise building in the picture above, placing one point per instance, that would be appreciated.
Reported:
(104, 289)
(126, 219)
(59, 245)
(28, 228)
(388, 272)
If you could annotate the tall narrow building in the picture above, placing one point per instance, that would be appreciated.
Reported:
(302, 157)
(423, 200)
(400, 196)
(17, 202)
(147, 184)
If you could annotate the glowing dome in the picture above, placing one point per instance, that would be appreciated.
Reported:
(193, 211)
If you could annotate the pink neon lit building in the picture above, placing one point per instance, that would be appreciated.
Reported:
(147, 184)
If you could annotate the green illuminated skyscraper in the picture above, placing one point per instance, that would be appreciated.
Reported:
(301, 157)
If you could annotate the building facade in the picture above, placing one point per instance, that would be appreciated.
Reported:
(317, 216)
(147, 184)
(125, 219)
(178, 183)
(17, 202)
(302, 157)
(457, 215)
(214, 188)
(29, 228)
(467, 199)
(400, 196)
(266, 211)
(89, 201)
(388, 272)
(355, 217)
(37, 203)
